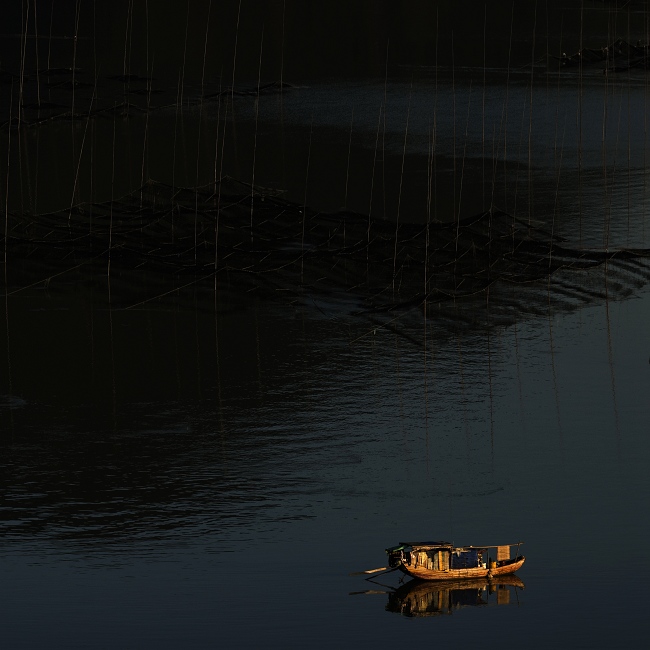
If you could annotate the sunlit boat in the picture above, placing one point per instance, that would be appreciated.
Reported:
(443, 561)
(430, 598)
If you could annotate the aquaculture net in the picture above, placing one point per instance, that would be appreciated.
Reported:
(160, 239)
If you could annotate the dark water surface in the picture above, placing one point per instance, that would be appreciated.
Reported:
(221, 495)
(197, 452)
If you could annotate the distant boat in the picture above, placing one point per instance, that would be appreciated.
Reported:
(443, 561)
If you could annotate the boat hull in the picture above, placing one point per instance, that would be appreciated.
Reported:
(504, 567)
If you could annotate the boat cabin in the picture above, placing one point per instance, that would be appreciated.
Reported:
(442, 556)
(443, 561)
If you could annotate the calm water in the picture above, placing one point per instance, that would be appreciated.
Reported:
(205, 468)
(161, 490)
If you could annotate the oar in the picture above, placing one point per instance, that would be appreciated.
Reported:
(361, 573)
(368, 592)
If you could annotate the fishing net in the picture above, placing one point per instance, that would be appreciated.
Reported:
(159, 240)
(617, 56)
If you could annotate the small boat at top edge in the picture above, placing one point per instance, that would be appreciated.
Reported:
(443, 561)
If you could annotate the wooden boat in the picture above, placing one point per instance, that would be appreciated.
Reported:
(443, 561)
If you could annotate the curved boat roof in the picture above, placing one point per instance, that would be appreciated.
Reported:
(448, 545)
(416, 545)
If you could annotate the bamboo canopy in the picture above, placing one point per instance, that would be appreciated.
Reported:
(426, 545)
(495, 545)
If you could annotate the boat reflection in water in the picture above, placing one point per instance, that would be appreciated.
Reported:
(425, 598)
